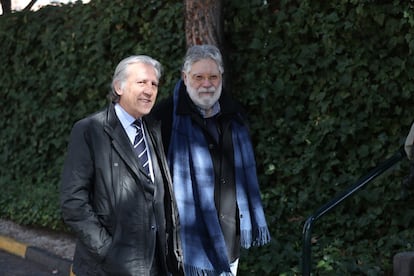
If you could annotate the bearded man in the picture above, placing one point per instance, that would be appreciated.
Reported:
(212, 163)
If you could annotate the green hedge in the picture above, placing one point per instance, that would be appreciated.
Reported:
(57, 65)
(327, 85)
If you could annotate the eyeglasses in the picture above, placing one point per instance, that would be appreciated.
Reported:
(209, 78)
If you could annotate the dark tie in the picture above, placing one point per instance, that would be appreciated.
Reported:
(139, 146)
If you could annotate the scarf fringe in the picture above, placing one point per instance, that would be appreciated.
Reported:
(262, 238)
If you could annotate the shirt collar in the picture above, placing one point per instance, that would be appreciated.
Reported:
(124, 117)
(216, 110)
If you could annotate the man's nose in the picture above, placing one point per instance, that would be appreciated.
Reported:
(206, 82)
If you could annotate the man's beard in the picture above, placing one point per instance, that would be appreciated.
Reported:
(204, 102)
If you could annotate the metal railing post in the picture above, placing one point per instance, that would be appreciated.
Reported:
(307, 229)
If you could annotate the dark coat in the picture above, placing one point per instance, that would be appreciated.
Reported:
(118, 214)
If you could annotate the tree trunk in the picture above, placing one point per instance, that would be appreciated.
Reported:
(203, 22)
(204, 25)
(6, 6)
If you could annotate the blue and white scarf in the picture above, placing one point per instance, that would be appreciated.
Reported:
(203, 243)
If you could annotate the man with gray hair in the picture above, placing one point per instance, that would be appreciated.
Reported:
(213, 167)
(116, 189)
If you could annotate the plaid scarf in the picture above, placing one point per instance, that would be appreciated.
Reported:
(203, 243)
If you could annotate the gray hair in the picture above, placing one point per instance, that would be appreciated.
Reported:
(199, 52)
(121, 72)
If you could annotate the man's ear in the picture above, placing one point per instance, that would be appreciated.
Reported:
(117, 87)
(184, 77)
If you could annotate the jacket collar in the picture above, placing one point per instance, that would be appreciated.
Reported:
(122, 144)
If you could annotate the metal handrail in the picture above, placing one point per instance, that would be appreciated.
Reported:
(307, 228)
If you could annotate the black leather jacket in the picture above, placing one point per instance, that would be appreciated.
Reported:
(118, 214)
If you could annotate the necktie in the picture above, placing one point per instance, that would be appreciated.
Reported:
(139, 146)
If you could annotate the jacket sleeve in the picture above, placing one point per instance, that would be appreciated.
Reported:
(76, 193)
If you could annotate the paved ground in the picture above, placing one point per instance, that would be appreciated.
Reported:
(53, 250)
(61, 244)
(12, 265)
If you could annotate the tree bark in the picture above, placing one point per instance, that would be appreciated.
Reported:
(6, 6)
(203, 22)
(204, 25)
